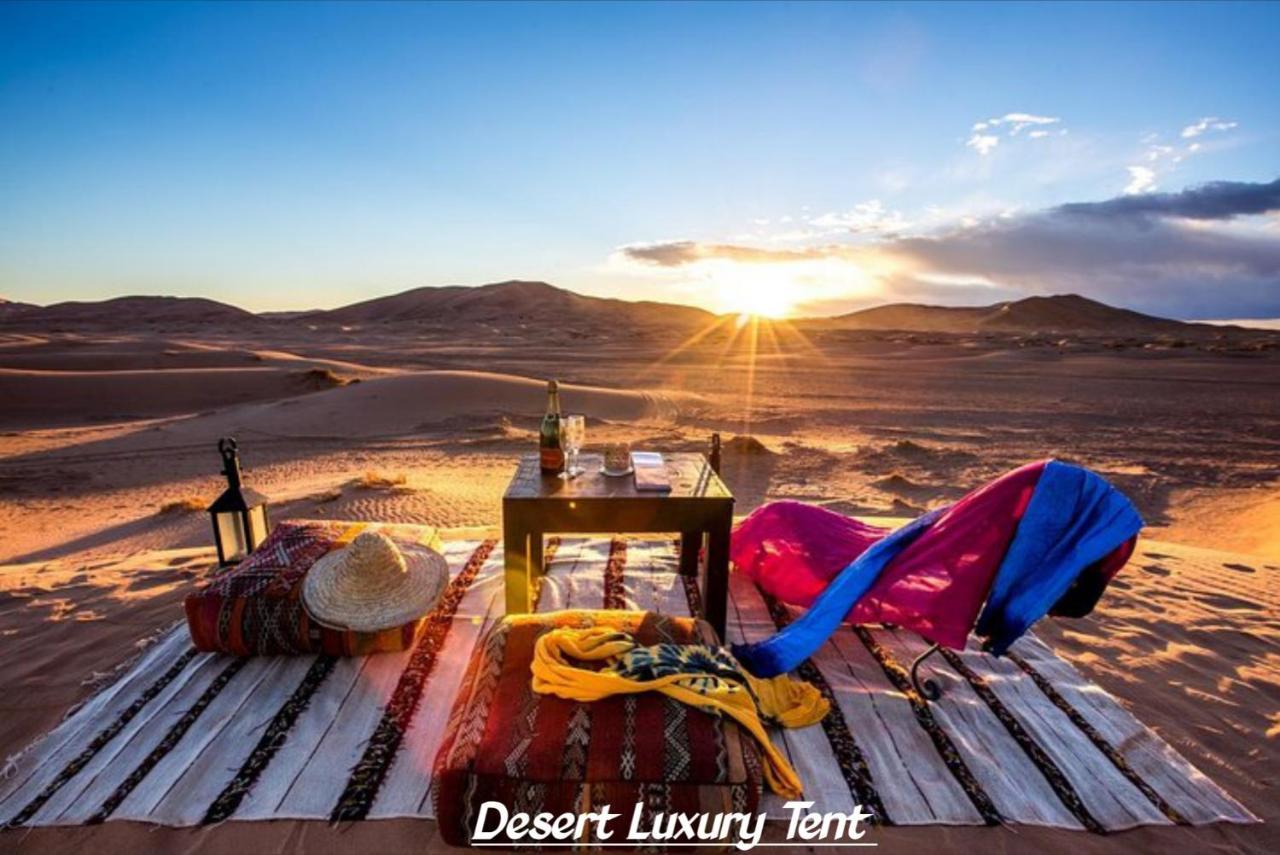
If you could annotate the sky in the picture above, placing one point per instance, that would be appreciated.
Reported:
(780, 159)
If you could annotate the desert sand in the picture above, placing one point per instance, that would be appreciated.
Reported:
(107, 457)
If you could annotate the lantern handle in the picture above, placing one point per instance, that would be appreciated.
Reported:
(230, 451)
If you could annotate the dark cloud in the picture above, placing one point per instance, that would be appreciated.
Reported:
(1140, 257)
(1134, 251)
(677, 253)
(1217, 200)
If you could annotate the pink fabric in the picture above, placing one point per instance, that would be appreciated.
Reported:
(935, 587)
(793, 550)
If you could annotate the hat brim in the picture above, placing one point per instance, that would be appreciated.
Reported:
(425, 577)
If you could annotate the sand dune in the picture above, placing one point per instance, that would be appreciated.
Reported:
(1254, 515)
(451, 434)
(1059, 313)
(507, 303)
(12, 308)
(48, 398)
(304, 406)
(530, 307)
(408, 403)
(79, 351)
(132, 352)
(135, 310)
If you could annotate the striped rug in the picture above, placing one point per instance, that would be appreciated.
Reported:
(185, 738)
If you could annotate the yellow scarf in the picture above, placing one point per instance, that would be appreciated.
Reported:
(701, 676)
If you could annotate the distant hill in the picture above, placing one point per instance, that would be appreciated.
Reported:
(1059, 313)
(517, 303)
(510, 302)
(10, 309)
(130, 311)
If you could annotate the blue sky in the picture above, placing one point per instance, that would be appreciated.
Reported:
(777, 158)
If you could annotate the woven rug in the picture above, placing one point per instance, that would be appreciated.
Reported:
(185, 738)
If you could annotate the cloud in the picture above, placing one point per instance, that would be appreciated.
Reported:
(1017, 122)
(865, 217)
(984, 137)
(1161, 158)
(680, 253)
(983, 143)
(1205, 125)
(1166, 253)
(1177, 254)
(869, 218)
(1141, 179)
(1217, 200)
(1162, 252)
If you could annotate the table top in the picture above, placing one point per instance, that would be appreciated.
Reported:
(690, 473)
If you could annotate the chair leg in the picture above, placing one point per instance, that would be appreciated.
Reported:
(928, 688)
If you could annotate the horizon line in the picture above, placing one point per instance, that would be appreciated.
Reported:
(1273, 322)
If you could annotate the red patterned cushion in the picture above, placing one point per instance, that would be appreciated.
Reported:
(539, 753)
(255, 607)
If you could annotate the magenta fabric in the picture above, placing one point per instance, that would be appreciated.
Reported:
(935, 586)
(793, 550)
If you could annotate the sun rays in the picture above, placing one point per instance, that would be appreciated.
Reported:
(736, 346)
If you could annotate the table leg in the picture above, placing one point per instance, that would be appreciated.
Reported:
(536, 568)
(715, 594)
(515, 567)
(690, 546)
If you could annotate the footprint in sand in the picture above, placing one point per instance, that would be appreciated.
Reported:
(154, 579)
(1229, 604)
(1240, 568)
(1156, 569)
(1159, 556)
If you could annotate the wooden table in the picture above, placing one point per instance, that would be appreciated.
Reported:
(699, 508)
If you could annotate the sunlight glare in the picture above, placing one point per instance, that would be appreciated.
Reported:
(780, 290)
(748, 290)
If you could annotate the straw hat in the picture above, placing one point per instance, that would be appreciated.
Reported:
(372, 585)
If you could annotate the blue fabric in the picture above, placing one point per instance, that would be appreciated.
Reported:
(785, 650)
(1075, 518)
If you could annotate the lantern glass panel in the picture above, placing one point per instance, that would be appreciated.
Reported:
(257, 526)
(231, 535)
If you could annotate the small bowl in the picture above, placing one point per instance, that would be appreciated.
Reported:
(617, 459)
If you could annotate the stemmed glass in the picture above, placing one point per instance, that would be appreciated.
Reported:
(573, 433)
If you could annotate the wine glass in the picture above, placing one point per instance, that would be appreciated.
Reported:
(573, 433)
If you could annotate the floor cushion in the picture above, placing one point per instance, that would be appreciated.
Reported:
(538, 753)
(255, 607)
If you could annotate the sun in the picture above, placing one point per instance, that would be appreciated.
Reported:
(761, 303)
(755, 293)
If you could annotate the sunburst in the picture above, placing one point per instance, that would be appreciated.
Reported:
(748, 338)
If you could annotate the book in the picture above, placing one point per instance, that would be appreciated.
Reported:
(651, 472)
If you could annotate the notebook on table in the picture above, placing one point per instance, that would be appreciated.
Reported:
(651, 472)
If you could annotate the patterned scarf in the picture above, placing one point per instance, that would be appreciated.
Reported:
(702, 676)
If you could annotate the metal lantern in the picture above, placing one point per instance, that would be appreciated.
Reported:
(240, 514)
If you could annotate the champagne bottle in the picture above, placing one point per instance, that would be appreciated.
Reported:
(550, 448)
